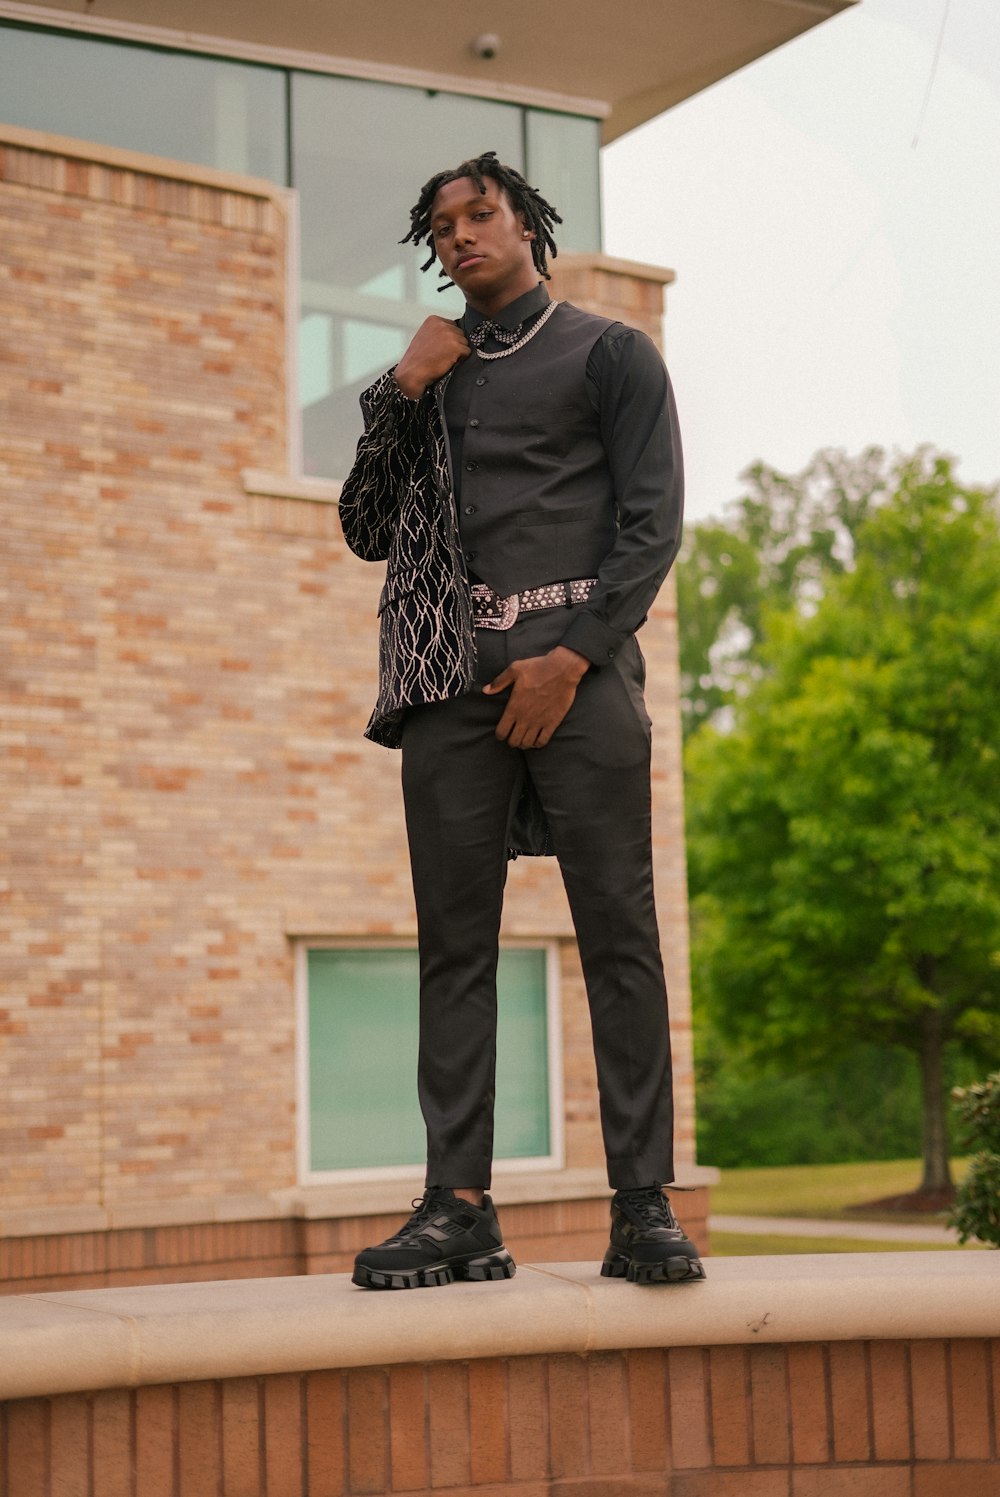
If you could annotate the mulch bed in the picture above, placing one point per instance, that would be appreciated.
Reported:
(916, 1202)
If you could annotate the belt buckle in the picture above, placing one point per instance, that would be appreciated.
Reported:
(492, 612)
(511, 608)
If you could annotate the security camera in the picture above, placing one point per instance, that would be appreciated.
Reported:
(486, 46)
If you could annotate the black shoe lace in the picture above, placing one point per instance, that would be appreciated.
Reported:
(650, 1206)
(424, 1208)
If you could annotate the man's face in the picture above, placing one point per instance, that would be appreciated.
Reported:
(482, 243)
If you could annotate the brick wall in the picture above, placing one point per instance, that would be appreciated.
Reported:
(543, 1231)
(188, 667)
(837, 1419)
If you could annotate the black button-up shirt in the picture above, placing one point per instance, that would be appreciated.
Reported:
(632, 399)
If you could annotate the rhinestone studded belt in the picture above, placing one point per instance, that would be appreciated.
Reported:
(490, 611)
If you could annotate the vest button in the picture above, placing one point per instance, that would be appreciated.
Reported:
(470, 509)
(471, 467)
(473, 422)
(480, 381)
(470, 555)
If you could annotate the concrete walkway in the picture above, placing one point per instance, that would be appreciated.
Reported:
(788, 1226)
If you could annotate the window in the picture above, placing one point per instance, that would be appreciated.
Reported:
(356, 151)
(207, 110)
(358, 1056)
(360, 154)
(563, 159)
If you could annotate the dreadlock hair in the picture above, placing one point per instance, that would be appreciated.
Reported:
(538, 215)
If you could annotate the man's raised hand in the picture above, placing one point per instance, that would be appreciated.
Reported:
(435, 347)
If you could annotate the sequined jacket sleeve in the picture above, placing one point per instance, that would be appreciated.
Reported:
(392, 451)
(396, 506)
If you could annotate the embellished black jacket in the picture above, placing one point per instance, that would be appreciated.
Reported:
(396, 506)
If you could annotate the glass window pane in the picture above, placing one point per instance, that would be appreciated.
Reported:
(360, 154)
(205, 110)
(563, 164)
(522, 1108)
(363, 1108)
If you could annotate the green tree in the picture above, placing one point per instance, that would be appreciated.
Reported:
(844, 837)
(775, 548)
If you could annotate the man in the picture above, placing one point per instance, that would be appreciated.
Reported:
(520, 472)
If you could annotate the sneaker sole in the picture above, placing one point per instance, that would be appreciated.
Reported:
(678, 1270)
(491, 1267)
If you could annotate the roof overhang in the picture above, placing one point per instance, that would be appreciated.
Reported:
(621, 60)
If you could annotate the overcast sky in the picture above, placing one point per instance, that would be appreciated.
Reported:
(837, 283)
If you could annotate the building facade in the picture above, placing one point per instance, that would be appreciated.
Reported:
(208, 1011)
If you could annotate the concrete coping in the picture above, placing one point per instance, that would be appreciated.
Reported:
(131, 1337)
(46, 143)
(291, 486)
(660, 275)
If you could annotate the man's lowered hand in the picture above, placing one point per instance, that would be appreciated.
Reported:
(542, 689)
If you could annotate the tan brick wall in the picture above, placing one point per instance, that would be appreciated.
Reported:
(563, 1231)
(842, 1419)
(188, 668)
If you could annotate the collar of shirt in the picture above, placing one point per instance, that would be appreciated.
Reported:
(525, 309)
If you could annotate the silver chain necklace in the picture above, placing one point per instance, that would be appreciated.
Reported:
(536, 327)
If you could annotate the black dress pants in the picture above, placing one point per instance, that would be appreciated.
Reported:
(593, 780)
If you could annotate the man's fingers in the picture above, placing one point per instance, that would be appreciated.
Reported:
(523, 735)
(500, 683)
(505, 727)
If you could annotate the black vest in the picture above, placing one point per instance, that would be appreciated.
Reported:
(536, 500)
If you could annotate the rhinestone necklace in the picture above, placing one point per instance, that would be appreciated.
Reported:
(536, 327)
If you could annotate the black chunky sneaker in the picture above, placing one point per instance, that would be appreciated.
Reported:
(648, 1245)
(445, 1239)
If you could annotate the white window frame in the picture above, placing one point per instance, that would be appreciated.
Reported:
(554, 1160)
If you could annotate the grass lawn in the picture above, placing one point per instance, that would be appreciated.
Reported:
(820, 1190)
(746, 1245)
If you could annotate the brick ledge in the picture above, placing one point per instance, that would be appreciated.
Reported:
(310, 1202)
(135, 1337)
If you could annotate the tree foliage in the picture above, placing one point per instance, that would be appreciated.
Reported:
(844, 837)
(754, 1114)
(776, 547)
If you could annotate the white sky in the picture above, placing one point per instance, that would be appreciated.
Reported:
(836, 285)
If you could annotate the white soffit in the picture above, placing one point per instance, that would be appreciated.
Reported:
(624, 60)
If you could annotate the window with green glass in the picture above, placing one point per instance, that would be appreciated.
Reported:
(362, 1110)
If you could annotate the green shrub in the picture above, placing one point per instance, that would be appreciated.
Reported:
(976, 1212)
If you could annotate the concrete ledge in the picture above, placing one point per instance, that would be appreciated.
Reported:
(660, 275)
(287, 486)
(140, 162)
(135, 1337)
